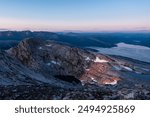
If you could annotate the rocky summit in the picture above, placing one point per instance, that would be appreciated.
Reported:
(44, 69)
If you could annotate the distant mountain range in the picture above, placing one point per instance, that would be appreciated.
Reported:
(76, 39)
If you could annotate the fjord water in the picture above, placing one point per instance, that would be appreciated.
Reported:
(138, 52)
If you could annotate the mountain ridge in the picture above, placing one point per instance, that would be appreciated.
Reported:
(44, 64)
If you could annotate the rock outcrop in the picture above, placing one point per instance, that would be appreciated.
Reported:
(51, 58)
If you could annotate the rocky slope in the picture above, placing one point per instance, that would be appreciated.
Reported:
(66, 72)
(50, 58)
(14, 73)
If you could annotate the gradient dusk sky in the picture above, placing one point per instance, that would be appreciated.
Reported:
(78, 15)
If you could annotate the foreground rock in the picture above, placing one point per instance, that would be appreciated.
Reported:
(88, 92)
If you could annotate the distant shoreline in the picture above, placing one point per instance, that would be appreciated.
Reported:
(136, 52)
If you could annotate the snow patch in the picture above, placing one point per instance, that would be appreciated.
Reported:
(112, 83)
(87, 59)
(93, 79)
(127, 68)
(87, 69)
(138, 72)
(98, 60)
(40, 48)
(53, 62)
(118, 68)
(82, 82)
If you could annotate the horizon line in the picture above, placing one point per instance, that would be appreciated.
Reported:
(76, 31)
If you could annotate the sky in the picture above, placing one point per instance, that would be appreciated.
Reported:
(75, 15)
